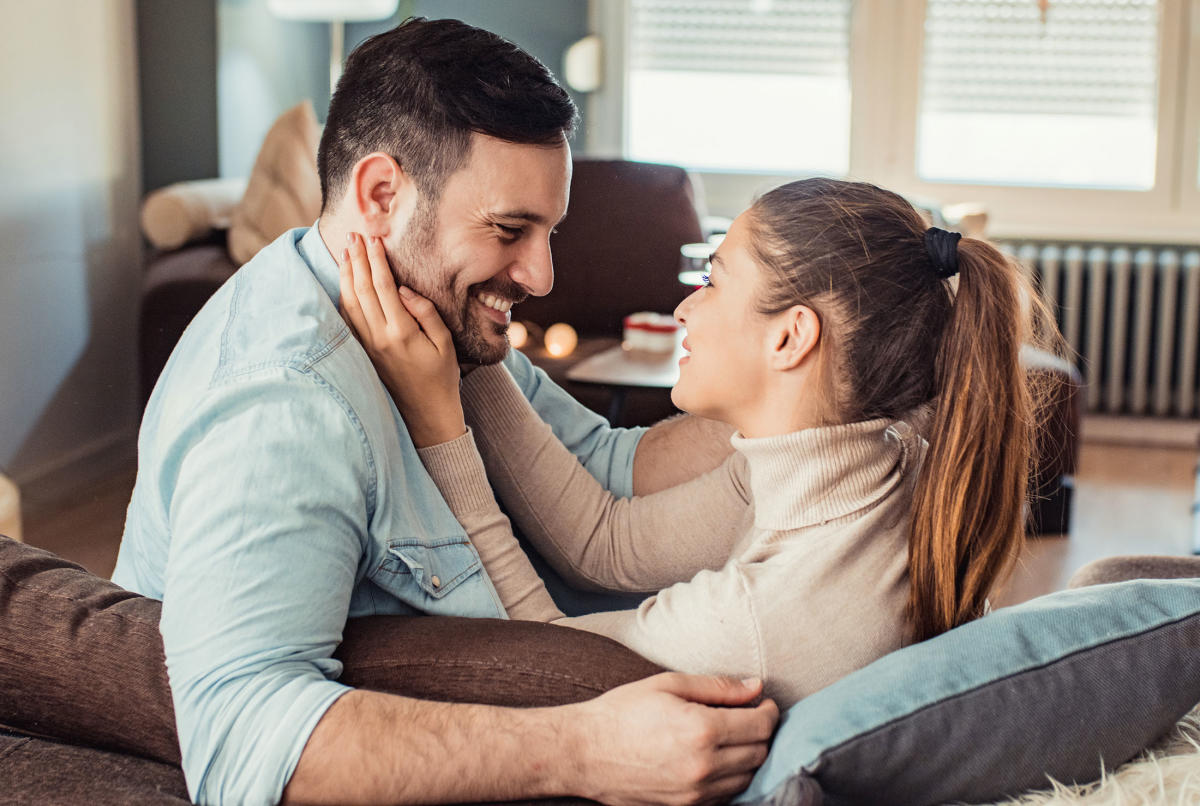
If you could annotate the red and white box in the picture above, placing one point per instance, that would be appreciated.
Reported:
(650, 336)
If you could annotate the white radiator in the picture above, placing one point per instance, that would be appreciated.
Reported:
(1132, 316)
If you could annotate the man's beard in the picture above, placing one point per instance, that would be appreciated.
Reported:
(420, 265)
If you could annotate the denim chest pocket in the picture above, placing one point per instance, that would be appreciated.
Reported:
(435, 566)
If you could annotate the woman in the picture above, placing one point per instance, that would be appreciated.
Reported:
(882, 449)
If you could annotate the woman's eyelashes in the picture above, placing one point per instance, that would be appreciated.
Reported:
(706, 280)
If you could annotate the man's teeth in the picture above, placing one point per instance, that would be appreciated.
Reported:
(494, 302)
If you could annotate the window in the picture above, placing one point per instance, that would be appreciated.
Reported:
(1082, 123)
(741, 84)
(1013, 94)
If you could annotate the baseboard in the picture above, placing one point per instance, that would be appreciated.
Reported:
(1158, 432)
(47, 485)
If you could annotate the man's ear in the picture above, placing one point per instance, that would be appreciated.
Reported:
(382, 193)
(794, 337)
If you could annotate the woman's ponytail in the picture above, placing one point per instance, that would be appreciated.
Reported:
(968, 509)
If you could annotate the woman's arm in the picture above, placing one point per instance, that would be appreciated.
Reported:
(457, 470)
(706, 625)
(678, 450)
(592, 538)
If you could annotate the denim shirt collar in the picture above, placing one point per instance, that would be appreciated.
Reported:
(316, 254)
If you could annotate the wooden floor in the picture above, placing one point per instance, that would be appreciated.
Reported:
(1128, 500)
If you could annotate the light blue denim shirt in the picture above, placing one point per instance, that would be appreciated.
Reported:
(278, 494)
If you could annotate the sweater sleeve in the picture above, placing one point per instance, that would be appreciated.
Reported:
(704, 626)
(457, 470)
(591, 537)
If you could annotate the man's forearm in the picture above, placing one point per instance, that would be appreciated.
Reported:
(371, 747)
(679, 450)
(648, 741)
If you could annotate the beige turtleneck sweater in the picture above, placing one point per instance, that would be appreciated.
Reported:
(794, 551)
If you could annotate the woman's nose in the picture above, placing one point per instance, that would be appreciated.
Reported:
(681, 310)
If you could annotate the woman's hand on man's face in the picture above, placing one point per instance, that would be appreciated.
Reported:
(406, 340)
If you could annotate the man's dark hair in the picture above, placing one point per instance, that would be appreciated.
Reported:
(418, 91)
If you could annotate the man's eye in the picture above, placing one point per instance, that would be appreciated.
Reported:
(511, 233)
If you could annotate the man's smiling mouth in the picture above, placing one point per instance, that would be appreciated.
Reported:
(494, 302)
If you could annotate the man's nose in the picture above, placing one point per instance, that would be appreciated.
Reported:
(534, 269)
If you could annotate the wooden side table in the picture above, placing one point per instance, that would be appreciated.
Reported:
(620, 371)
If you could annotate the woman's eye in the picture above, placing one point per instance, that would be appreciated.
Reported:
(706, 281)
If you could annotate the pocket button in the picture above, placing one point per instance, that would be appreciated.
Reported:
(437, 583)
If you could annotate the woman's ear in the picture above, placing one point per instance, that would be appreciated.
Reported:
(382, 193)
(794, 337)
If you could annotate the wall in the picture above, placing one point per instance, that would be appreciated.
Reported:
(70, 262)
(266, 65)
(177, 82)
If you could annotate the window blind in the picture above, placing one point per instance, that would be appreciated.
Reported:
(1056, 94)
(1088, 57)
(735, 84)
(793, 37)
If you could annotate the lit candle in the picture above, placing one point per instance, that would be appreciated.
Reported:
(518, 334)
(560, 340)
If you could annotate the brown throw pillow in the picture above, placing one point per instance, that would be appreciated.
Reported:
(81, 659)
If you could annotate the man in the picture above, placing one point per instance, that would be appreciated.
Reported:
(278, 492)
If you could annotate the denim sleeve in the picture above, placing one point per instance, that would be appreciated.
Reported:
(606, 452)
(267, 519)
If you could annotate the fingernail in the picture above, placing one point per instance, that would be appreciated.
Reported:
(750, 682)
(405, 291)
(374, 240)
(345, 255)
(350, 238)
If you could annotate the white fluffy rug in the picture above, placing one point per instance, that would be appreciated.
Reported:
(1167, 773)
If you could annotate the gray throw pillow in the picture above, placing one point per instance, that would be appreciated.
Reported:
(1059, 686)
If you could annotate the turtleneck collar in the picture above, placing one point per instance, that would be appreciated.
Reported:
(815, 475)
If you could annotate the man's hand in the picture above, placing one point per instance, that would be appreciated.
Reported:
(656, 741)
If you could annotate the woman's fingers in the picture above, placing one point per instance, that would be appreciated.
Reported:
(376, 308)
(363, 288)
(427, 317)
(351, 310)
(384, 285)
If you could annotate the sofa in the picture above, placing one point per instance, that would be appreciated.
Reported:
(1067, 687)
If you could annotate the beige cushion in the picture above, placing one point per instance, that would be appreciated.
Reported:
(283, 191)
(186, 211)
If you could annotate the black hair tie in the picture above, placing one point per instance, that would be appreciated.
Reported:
(942, 248)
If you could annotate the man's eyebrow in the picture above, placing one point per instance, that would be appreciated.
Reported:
(527, 215)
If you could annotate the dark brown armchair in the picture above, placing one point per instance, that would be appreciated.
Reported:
(616, 253)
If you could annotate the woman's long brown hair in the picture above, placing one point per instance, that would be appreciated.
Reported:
(896, 336)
